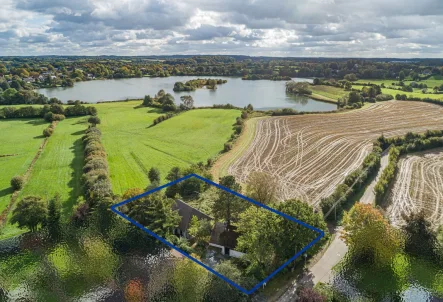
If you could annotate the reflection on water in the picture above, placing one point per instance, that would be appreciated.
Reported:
(262, 94)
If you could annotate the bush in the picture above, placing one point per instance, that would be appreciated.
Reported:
(244, 115)
(384, 97)
(227, 147)
(94, 120)
(48, 131)
(17, 183)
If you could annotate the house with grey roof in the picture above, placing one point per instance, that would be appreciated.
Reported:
(225, 238)
(186, 213)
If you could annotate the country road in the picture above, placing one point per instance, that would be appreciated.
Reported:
(322, 270)
(369, 195)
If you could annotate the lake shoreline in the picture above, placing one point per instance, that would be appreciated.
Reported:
(262, 94)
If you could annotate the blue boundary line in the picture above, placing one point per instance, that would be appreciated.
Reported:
(248, 292)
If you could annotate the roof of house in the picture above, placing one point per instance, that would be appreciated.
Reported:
(220, 235)
(186, 212)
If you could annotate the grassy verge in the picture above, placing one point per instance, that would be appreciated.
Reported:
(222, 164)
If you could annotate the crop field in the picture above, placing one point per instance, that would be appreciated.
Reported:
(311, 154)
(330, 92)
(21, 140)
(133, 146)
(418, 186)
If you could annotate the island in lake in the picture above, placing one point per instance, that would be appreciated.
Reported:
(192, 85)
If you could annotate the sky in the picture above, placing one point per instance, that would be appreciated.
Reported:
(296, 28)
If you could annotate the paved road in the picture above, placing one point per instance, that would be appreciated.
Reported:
(322, 270)
(369, 196)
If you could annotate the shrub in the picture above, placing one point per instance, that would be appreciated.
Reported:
(227, 147)
(94, 120)
(17, 182)
(244, 115)
(384, 97)
(49, 116)
(48, 131)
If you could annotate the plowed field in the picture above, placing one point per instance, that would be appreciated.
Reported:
(311, 154)
(418, 186)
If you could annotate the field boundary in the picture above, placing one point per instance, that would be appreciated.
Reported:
(221, 165)
(15, 194)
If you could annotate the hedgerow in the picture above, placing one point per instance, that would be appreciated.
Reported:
(353, 183)
(95, 178)
(411, 142)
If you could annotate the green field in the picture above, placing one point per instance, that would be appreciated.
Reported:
(330, 92)
(22, 137)
(133, 147)
(431, 83)
(58, 169)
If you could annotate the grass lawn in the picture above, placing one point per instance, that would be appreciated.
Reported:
(23, 138)
(133, 146)
(330, 92)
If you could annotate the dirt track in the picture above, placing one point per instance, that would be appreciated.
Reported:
(418, 186)
(311, 154)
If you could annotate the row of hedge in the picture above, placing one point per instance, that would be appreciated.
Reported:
(162, 118)
(95, 178)
(353, 183)
(38, 112)
(408, 138)
(404, 97)
(48, 131)
(388, 174)
(402, 145)
(238, 128)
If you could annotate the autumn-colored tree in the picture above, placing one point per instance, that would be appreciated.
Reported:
(132, 192)
(369, 235)
(134, 291)
(261, 187)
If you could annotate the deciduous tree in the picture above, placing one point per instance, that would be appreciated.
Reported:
(369, 235)
(261, 187)
(30, 212)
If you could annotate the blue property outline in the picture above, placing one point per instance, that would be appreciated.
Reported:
(248, 292)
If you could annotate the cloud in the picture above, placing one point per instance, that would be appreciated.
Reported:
(336, 28)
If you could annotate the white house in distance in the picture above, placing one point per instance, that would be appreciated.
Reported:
(221, 237)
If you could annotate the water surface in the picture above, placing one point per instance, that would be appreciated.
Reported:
(262, 94)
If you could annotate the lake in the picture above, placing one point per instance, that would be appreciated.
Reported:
(262, 94)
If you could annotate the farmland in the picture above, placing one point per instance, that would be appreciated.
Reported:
(418, 186)
(57, 170)
(22, 143)
(328, 93)
(133, 146)
(431, 83)
(311, 154)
